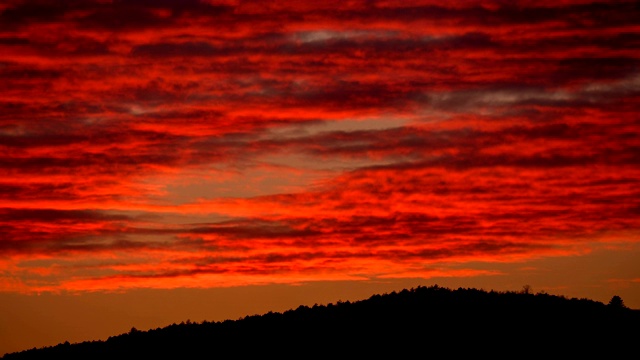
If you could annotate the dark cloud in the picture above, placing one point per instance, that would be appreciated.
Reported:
(113, 15)
(47, 215)
(255, 229)
(14, 40)
(188, 49)
(23, 13)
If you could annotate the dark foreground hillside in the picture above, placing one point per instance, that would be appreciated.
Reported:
(423, 322)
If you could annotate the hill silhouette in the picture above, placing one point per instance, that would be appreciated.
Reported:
(423, 321)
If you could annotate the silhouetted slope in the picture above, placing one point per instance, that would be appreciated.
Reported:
(427, 321)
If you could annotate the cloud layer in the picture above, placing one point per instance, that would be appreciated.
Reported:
(214, 143)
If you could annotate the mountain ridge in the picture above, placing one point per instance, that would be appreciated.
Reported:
(434, 317)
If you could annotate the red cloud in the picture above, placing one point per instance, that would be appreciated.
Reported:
(149, 138)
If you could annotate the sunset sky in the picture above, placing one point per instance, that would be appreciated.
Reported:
(170, 160)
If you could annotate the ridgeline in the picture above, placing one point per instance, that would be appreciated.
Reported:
(423, 321)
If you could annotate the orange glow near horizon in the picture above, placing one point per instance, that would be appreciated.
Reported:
(219, 144)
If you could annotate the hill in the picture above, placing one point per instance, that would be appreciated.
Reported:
(427, 321)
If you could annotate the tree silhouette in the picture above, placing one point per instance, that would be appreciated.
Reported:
(468, 321)
(616, 302)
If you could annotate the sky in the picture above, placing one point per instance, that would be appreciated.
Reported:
(205, 160)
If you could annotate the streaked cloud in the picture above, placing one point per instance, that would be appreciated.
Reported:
(212, 143)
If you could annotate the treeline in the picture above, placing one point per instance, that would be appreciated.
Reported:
(424, 320)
